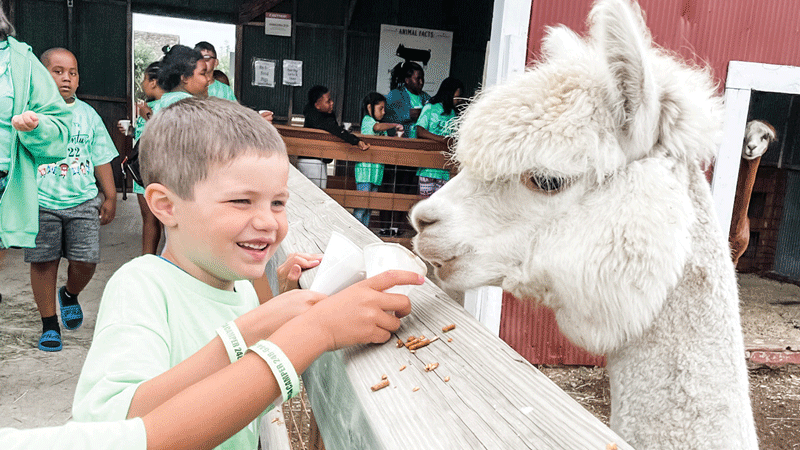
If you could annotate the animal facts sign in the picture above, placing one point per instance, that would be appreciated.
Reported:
(431, 49)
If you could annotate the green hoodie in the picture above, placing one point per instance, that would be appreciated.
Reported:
(34, 90)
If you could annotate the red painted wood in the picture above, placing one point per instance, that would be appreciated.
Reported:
(532, 331)
(709, 32)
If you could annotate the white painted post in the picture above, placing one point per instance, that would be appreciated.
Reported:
(507, 51)
(508, 46)
(726, 167)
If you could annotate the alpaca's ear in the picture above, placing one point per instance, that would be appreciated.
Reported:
(561, 42)
(618, 28)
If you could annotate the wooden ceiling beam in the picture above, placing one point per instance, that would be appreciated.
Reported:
(252, 9)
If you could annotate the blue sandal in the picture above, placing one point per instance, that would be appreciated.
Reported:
(50, 341)
(71, 315)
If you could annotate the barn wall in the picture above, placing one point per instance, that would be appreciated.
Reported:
(700, 30)
(96, 32)
(343, 56)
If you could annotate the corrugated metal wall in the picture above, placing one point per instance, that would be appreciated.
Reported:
(787, 254)
(703, 30)
(350, 71)
(532, 331)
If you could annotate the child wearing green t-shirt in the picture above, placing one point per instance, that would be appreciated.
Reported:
(369, 176)
(436, 123)
(151, 227)
(70, 210)
(216, 176)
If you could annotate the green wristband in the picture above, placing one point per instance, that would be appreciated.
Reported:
(281, 367)
(233, 340)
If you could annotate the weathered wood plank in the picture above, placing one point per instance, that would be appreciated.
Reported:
(385, 201)
(386, 150)
(494, 398)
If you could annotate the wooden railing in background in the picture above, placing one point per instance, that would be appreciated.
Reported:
(386, 150)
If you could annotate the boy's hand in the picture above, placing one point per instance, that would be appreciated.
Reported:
(363, 146)
(26, 121)
(289, 305)
(108, 210)
(289, 272)
(362, 313)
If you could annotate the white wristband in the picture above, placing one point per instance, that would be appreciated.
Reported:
(281, 367)
(233, 340)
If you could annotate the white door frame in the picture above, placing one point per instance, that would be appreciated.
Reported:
(506, 54)
(743, 78)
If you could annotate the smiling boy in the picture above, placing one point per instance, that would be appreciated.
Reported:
(220, 191)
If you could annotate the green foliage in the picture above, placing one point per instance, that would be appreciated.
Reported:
(224, 58)
(143, 55)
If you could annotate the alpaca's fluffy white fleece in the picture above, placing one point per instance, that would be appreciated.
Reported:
(628, 252)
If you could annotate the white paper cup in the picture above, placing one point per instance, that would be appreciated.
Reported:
(383, 256)
(126, 125)
(341, 265)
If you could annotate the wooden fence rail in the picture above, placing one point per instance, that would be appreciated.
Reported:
(385, 150)
(493, 399)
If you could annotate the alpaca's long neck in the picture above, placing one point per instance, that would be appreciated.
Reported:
(686, 372)
(744, 189)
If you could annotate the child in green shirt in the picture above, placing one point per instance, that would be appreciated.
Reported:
(369, 176)
(70, 210)
(216, 176)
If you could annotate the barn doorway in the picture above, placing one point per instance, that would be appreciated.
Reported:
(769, 92)
(151, 33)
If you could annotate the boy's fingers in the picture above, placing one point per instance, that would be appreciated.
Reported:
(390, 278)
(294, 272)
(381, 335)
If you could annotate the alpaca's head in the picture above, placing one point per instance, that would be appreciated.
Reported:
(757, 137)
(573, 176)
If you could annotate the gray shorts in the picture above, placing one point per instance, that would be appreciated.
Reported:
(72, 233)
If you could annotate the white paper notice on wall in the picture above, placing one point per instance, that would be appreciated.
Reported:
(263, 72)
(277, 24)
(292, 72)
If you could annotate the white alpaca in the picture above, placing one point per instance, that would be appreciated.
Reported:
(580, 187)
(757, 137)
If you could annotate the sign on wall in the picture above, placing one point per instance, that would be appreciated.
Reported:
(263, 72)
(292, 72)
(277, 24)
(431, 49)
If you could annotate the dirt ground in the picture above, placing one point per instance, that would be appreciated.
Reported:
(36, 388)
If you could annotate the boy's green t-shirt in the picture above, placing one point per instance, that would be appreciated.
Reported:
(221, 90)
(152, 316)
(71, 181)
(118, 435)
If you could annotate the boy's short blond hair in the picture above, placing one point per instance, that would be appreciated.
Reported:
(183, 141)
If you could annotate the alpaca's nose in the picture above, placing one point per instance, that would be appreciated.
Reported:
(751, 147)
(423, 216)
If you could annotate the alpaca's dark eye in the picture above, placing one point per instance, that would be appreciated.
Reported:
(547, 184)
